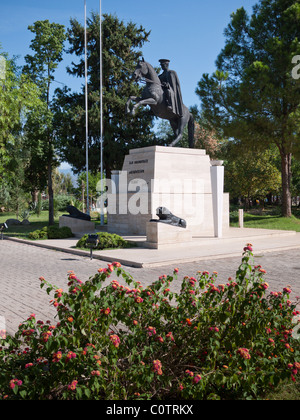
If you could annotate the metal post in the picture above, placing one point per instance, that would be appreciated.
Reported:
(101, 120)
(86, 114)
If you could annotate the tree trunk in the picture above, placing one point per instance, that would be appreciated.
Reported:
(50, 194)
(108, 170)
(34, 195)
(286, 175)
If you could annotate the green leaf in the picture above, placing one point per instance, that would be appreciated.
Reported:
(87, 392)
(23, 393)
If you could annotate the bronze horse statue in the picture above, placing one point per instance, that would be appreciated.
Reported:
(153, 95)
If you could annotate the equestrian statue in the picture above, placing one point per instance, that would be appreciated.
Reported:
(163, 94)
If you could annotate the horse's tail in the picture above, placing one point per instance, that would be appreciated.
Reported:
(191, 131)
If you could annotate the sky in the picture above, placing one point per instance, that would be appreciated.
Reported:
(190, 33)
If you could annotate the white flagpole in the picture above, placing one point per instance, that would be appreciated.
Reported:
(101, 121)
(86, 115)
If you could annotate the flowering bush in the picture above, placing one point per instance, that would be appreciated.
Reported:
(209, 341)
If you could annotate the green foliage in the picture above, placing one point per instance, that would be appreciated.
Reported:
(61, 202)
(208, 341)
(251, 174)
(51, 232)
(38, 234)
(47, 47)
(59, 233)
(252, 96)
(106, 241)
(19, 98)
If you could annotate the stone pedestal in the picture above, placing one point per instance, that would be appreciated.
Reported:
(161, 235)
(172, 177)
(77, 225)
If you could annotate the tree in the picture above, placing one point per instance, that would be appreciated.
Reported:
(93, 184)
(121, 50)
(47, 46)
(18, 97)
(251, 174)
(62, 183)
(252, 96)
(36, 169)
(19, 100)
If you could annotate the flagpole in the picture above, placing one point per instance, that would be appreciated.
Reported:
(86, 114)
(101, 120)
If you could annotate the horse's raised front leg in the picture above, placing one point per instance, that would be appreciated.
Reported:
(141, 101)
(130, 100)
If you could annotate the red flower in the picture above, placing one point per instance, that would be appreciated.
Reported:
(196, 379)
(71, 355)
(189, 373)
(248, 248)
(15, 382)
(117, 264)
(110, 267)
(151, 331)
(72, 386)
(95, 373)
(244, 353)
(56, 357)
(28, 365)
(46, 335)
(115, 340)
(170, 336)
(157, 367)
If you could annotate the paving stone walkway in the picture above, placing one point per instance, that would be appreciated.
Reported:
(22, 265)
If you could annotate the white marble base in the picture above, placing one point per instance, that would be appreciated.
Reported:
(160, 235)
(172, 177)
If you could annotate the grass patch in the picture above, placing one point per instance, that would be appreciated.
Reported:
(22, 231)
(267, 221)
(36, 223)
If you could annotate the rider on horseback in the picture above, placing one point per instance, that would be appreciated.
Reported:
(171, 86)
(163, 95)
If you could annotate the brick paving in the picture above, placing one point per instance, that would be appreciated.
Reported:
(22, 265)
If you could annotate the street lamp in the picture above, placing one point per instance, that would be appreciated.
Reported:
(92, 242)
(2, 227)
